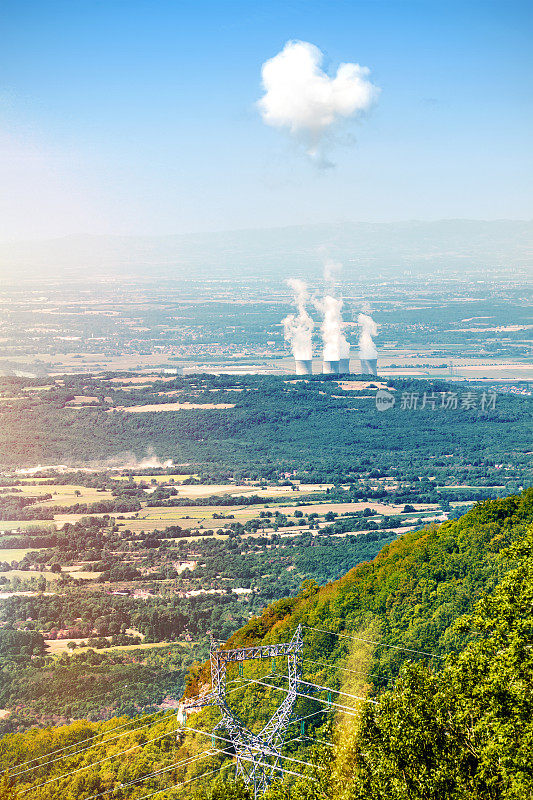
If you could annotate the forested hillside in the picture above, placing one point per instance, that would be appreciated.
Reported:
(437, 631)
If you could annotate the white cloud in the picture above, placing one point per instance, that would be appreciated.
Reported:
(301, 97)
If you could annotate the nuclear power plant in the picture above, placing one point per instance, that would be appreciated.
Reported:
(344, 362)
(369, 366)
(298, 329)
(330, 367)
(303, 366)
(368, 355)
(344, 366)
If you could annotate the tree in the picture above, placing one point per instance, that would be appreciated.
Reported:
(465, 733)
(7, 788)
(230, 790)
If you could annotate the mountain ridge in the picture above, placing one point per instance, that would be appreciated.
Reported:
(273, 252)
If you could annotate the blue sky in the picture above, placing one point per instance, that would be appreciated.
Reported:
(139, 117)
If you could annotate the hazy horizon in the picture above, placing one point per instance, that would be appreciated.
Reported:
(277, 252)
(238, 229)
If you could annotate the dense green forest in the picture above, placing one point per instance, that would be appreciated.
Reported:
(313, 427)
(92, 684)
(437, 629)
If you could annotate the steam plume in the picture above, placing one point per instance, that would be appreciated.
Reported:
(367, 348)
(298, 327)
(332, 270)
(300, 96)
(335, 344)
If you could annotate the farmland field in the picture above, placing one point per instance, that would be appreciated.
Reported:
(16, 554)
(176, 407)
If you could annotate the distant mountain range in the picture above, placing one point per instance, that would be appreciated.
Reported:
(447, 245)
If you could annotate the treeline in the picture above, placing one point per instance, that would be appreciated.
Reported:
(19, 645)
(24, 508)
(90, 685)
(119, 505)
(83, 536)
(101, 614)
(161, 501)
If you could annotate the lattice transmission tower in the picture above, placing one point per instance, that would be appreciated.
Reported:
(257, 755)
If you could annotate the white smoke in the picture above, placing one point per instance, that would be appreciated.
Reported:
(154, 462)
(367, 348)
(124, 460)
(128, 460)
(41, 468)
(332, 271)
(300, 96)
(336, 345)
(345, 348)
(298, 328)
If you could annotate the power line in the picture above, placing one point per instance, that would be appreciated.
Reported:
(317, 699)
(318, 686)
(287, 758)
(293, 722)
(310, 739)
(94, 764)
(338, 691)
(181, 763)
(98, 744)
(259, 748)
(171, 788)
(279, 769)
(219, 770)
(335, 667)
(249, 681)
(83, 749)
(268, 743)
(377, 644)
(224, 739)
(320, 711)
(68, 747)
(184, 762)
(353, 712)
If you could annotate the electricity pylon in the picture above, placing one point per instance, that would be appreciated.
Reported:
(257, 755)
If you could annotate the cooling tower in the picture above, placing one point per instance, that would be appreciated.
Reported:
(344, 366)
(331, 368)
(303, 367)
(369, 366)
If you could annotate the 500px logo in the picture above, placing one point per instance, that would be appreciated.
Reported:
(384, 400)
